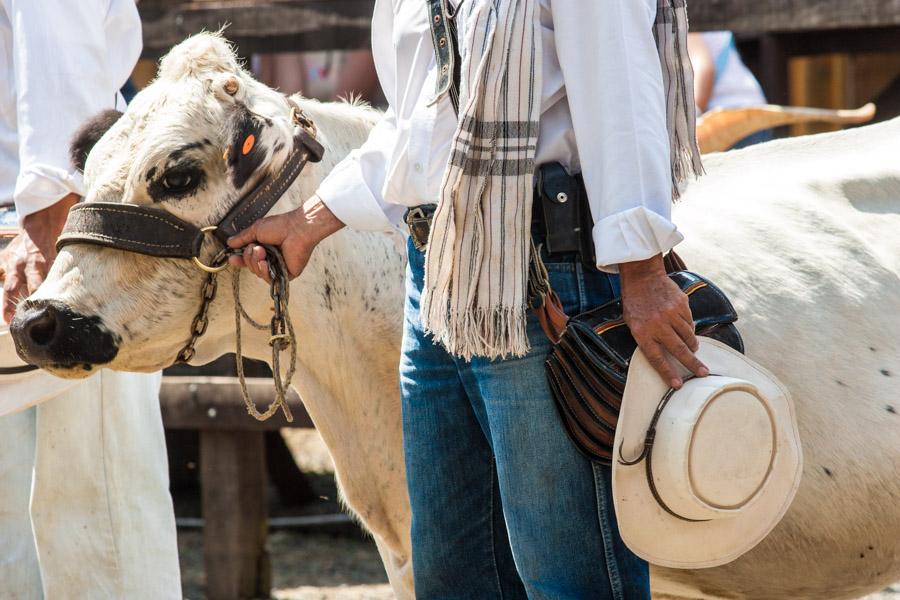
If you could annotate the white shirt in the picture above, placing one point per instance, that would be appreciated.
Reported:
(735, 86)
(61, 62)
(603, 114)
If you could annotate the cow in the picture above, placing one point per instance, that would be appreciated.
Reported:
(800, 233)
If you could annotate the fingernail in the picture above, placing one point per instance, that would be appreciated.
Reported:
(703, 371)
(676, 383)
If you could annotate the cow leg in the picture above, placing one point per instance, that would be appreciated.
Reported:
(399, 571)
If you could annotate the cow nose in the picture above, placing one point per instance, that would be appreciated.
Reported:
(50, 334)
(41, 326)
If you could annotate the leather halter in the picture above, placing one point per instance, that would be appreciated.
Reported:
(156, 232)
(17, 370)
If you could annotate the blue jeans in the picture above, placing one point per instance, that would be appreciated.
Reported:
(503, 504)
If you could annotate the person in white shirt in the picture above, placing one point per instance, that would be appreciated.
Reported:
(85, 510)
(721, 79)
(503, 505)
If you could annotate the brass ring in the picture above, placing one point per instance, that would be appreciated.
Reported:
(207, 268)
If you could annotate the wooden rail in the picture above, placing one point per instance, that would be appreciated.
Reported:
(232, 475)
(782, 16)
(299, 25)
(260, 25)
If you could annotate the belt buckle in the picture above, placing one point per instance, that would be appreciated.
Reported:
(415, 217)
(415, 212)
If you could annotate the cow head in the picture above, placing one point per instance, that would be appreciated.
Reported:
(191, 143)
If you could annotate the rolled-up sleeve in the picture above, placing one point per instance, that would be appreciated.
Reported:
(353, 189)
(62, 77)
(613, 80)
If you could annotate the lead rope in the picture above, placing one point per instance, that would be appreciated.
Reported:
(282, 337)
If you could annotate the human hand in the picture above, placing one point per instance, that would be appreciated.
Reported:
(295, 233)
(659, 317)
(25, 261)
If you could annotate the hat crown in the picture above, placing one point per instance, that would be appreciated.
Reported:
(714, 449)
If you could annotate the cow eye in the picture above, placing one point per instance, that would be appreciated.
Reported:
(179, 181)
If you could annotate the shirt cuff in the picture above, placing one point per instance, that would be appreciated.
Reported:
(632, 235)
(347, 195)
(41, 186)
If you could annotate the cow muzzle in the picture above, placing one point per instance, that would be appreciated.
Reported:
(47, 333)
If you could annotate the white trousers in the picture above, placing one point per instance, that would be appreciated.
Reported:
(85, 510)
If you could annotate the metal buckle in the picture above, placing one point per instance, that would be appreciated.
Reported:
(301, 120)
(414, 213)
(209, 268)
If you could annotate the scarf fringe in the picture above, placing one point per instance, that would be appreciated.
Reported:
(492, 333)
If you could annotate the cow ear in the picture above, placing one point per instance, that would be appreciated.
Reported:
(89, 134)
(246, 152)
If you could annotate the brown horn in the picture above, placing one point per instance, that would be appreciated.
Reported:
(720, 129)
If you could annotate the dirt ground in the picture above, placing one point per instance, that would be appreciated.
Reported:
(341, 564)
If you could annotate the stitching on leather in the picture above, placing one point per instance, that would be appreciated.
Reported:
(260, 211)
(131, 214)
(102, 236)
(289, 164)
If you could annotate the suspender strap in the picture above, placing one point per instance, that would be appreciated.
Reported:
(446, 49)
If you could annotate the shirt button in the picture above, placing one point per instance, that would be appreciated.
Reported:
(418, 167)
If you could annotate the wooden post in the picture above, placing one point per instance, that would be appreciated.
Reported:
(773, 68)
(234, 509)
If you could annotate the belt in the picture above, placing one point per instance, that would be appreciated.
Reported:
(418, 219)
(561, 235)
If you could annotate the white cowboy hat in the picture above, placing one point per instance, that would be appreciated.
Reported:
(719, 468)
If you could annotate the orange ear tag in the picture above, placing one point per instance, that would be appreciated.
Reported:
(248, 144)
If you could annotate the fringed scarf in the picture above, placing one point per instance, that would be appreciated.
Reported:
(476, 271)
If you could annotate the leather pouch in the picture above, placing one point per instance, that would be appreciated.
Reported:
(588, 366)
(566, 214)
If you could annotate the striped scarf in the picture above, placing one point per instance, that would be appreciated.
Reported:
(476, 268)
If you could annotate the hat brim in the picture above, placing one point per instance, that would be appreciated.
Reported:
(658, 537)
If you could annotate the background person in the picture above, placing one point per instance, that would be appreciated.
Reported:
(722, 80)
(85, 511)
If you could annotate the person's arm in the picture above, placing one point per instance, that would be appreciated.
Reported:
(60, 66)
(63, 77)
(350, 195)
(353, 189)
(615, 92)
(704, 70)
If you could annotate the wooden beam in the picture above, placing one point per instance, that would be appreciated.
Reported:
(215, 403)
(301, 25)
(233, 476)
(261, 25)
(750, 16)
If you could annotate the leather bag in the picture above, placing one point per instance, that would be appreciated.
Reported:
(588, 365)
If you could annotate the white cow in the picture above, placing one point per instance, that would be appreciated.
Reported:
(802, 234)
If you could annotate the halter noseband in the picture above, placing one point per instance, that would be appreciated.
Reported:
(156, 232)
